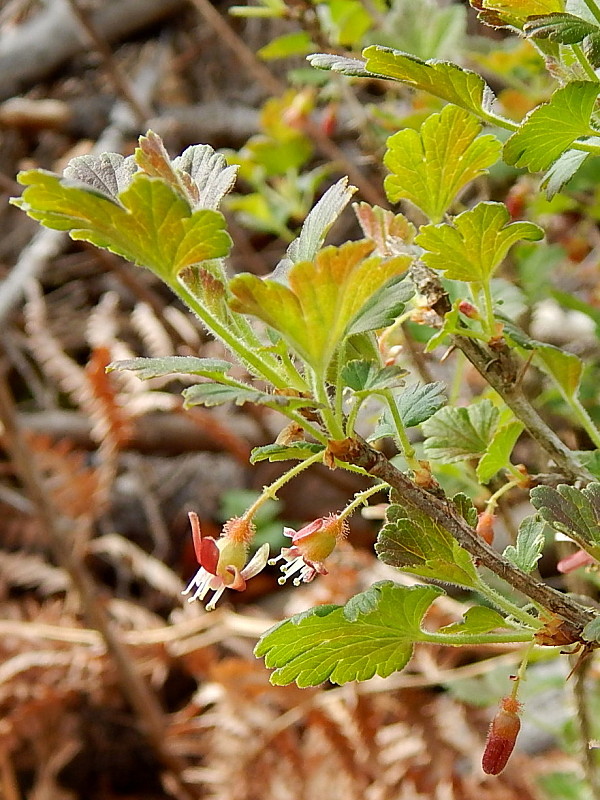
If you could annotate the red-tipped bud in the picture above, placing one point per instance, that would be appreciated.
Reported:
(485, 526)
(501, 737)
(468, 310)
(575, 560)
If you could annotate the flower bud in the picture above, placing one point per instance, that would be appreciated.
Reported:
(485, 526)
(501, 737)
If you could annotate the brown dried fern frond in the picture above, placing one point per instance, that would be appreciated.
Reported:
(74, 487)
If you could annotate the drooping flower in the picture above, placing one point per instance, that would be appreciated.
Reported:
(223, 561)
(311, 545)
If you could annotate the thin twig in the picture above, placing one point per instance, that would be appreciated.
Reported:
(501, 370)
(358, 452)
(60, 534)
(141, 110)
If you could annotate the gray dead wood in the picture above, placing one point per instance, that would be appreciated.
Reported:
(35, 49)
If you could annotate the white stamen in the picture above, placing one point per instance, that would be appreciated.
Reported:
(211, 606)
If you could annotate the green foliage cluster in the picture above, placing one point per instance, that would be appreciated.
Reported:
(312, 335)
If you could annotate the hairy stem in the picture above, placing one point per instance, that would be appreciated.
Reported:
(501, 370)
(442, 511)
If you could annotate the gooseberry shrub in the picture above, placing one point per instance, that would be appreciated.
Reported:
(316, 340)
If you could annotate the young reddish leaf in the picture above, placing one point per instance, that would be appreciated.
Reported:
(474, 245)
(391, 233)
(201, 176)
(430, 166)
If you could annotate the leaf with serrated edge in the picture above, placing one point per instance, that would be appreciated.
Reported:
(565, 368)
(477, 241)
(415, 404)
(499, 449)
(315, 228)
(152, 226)
(429, 167)
(107, 173)
(454, 434)
(372, 635)
(285, 452)
(529, 545)
(423, 547)
(559, 27)
(365, 376)
(464, 506)
(551, 128)
(314, 312)
(215, 394)
(440, 78)
(147, 368)
(477, 619)
(574, 512)
(392, 233)
(200, 175)
(563, 170)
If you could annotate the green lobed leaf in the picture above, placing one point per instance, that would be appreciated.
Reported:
(477, 619)
(440, 78)
(373, 634)
(415, 404)
(499, 449)
(430, 167)
(551, 128)
(559, 27)
(216, 394)
(475, 243)
(147, 368)
(324, 298)
(421, 546)
(454, 434)
(464, 506)
(366, 376)
(285, 452)
(564, 367)
(150, 225)
(574, 512)
(527, 550)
